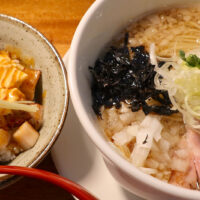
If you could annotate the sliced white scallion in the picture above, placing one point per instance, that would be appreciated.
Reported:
(148, 170)
(188, 107)
(18, 106)
(125, 135)
(165, 59)
(182, 83)
(150, 129)
(139, 155)
(28, 102)
(152, 55)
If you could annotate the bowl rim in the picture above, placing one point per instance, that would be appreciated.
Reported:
(61, 64)
(89, 127)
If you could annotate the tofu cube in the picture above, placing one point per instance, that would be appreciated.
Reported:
(26, 136)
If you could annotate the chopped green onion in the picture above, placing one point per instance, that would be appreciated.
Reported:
(191, 61)
(182, 55)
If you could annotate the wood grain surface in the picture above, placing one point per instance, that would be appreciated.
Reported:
(57, 20)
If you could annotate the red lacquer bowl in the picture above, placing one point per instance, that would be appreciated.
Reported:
(75, 189)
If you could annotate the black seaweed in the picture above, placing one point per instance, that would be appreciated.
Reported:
(117, 77)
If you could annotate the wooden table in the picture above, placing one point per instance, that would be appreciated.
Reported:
(57, 20)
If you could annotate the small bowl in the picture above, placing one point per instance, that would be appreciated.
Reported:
(32, 44)
(64, 183)
(102, 22)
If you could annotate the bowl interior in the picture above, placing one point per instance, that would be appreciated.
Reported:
(100, 25)
(95, 33)
(30, 43)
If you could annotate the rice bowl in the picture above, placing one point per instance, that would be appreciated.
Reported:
(28, 40)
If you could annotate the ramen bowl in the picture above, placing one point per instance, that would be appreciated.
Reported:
(102, 22)
(30, 44)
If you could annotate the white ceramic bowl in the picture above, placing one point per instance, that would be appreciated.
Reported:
(32, 44)
(103, 20)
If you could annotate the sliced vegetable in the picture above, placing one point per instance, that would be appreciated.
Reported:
(152, 55)
(182, 80)
(191, 61)
(150, 129)
(18, 106)
(150, 171)
(126, 134)
(139, 155)
(182, 55)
